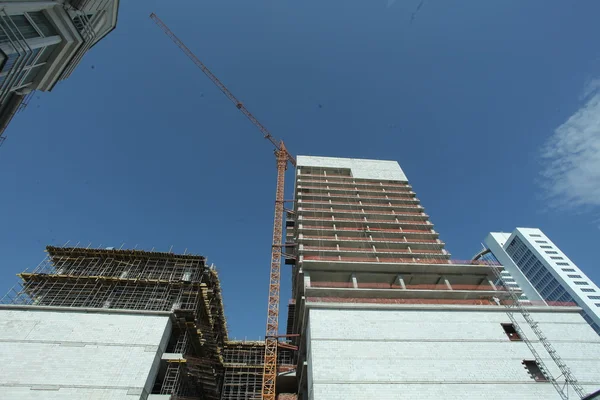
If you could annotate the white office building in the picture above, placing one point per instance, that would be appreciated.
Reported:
(544, 272)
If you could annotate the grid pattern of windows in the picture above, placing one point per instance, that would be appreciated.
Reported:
(547, 286)
(22, 59)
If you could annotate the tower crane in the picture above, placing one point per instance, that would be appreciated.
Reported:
(282, 157)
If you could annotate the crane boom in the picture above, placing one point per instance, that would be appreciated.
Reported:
(266, 134)
(282, 158)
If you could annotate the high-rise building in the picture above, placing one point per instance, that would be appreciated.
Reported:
(544, 272)
(383, 311)
(42, 42)
(113, 324)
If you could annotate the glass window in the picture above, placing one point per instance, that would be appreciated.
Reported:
(597, 304)
(588, 290)
(556, 258)
(574, 276)
(17, 27)
(534, 235)
(594, 297)
(546, 247)
(541, 241)
(42, 23)
(580, 283)
(562, 263)
(551, 252)
(568, 269)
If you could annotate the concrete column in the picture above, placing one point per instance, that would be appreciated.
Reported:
(337, 246)
(371, 238)
(306, 279)
(374, 249)
(409, 249)
(354, 281)
(334, 228)
(396, 219)
(400, 281)
(492, 284)
(336, 236)
(300, 236)
(447, 282)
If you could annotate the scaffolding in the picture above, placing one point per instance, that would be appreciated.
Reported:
(244, 362)
(144, 281)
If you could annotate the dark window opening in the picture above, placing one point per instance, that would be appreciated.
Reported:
(511, 332)
(535, 371)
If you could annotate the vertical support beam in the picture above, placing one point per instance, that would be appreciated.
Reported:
(492, 284)
(354, 281)
(306, 279)
(447, 282)
(400, 281)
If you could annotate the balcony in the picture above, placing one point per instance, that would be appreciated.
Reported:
(372, 223)
(382, 214)
(415, 241)
(356, 205)
(367, 200)
(328, 230)
(342, 183)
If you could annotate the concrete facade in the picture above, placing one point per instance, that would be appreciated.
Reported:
(359, 168)
(73, 354)
(542, 270)
(357, 352)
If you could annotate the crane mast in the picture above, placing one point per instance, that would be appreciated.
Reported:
(282, 157)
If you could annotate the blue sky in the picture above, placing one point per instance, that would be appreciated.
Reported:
(491, 108)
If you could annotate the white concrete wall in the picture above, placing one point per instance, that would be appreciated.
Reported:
(78, 355)
(427, 354)
(361, 168)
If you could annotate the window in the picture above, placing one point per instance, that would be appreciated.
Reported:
(588, 290)
(551, 252)
(581, 283)
(562, 263)
(534, 235)
(574, 276)
(534, 370)
(541, 241)
(597, 304)
(568, 269)
(594, 297)
(511, 332)
(556, 258)
(546, 247)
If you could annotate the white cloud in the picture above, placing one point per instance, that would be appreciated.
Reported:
(571, 157)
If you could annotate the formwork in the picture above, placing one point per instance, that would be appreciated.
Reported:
(244, 363)
(147, 281)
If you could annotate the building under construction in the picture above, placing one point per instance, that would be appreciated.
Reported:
(142, 323)
(378, 309)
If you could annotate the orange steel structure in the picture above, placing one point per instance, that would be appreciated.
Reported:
(282, 157)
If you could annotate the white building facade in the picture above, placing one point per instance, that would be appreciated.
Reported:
(544, 272)
(384, 312)
(73, 354)
(42, 42)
